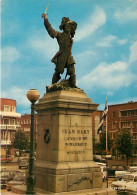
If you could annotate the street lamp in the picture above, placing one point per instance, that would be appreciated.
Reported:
(32, 95)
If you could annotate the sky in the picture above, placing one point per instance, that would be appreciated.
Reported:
(105, 48)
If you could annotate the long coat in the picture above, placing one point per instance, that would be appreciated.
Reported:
(63, 58)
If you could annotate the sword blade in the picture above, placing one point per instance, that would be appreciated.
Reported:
(46, 9)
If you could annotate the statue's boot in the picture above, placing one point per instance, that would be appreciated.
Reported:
(72, 80)
(56, 77)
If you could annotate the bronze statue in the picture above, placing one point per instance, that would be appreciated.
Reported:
(63, 58)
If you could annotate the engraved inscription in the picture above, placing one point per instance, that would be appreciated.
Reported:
(76, 140)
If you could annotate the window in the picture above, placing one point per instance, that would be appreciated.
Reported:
(123, 113)
(114, 125)
(128, 113)
(5, 136)
(114, 114)
(6, 108)
(26, 129)
(126, 125)
(13, 109)
(6, 121)
(13, 122)
(12, 136)
(18, 122)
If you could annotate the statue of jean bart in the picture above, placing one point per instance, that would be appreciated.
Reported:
(63, 58)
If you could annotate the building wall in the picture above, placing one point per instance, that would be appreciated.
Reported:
(119, 117)
(8, 102)
(25, 123)
(122, 116)
(8, 124)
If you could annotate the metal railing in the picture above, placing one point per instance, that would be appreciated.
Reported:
(9, 127)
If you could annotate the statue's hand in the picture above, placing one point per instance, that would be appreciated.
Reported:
(44, 16)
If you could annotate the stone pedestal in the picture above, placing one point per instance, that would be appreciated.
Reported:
(64, 143)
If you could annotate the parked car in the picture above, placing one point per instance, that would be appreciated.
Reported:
(23, 164)
(133, 169)
(120, 174)
(23, 158)
(127, 180)
(98, 158)
(6, 175)
(18, 179)
(5, 158)
(103, 169)
(132, 188)
(132, 184)
(120, 185)
(114, 168)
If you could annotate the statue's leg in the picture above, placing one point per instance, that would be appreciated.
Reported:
(71, 72)
(56, 77)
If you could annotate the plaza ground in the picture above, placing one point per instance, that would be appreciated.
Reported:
(14, 166)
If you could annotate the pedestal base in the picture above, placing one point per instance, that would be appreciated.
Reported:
(64, 147)
(66, 177)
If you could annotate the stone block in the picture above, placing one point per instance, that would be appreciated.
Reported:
(55, 121)
(64, 120)
(86, 121)
(79, 181)
(97, 180)
(75, 120)
(41, 180)
(79, 170)
(57, 183)
(95, 169)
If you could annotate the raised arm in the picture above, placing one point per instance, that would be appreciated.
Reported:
(51, 31)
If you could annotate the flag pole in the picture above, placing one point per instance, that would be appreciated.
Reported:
(106, 134)
(106, 141)
(106, 129)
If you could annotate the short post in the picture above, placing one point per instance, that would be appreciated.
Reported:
(33, 95)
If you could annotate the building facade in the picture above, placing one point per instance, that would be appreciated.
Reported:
(122, 116)
(25, 122)
(119, 117)
(9, 124)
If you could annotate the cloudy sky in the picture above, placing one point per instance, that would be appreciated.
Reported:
(105, 48)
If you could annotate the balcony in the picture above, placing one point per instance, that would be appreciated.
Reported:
(4, 142)
(9, 127)
(10, 114)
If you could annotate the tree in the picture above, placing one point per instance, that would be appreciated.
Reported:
(125, 144)
(20, 141)
(103, 142)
